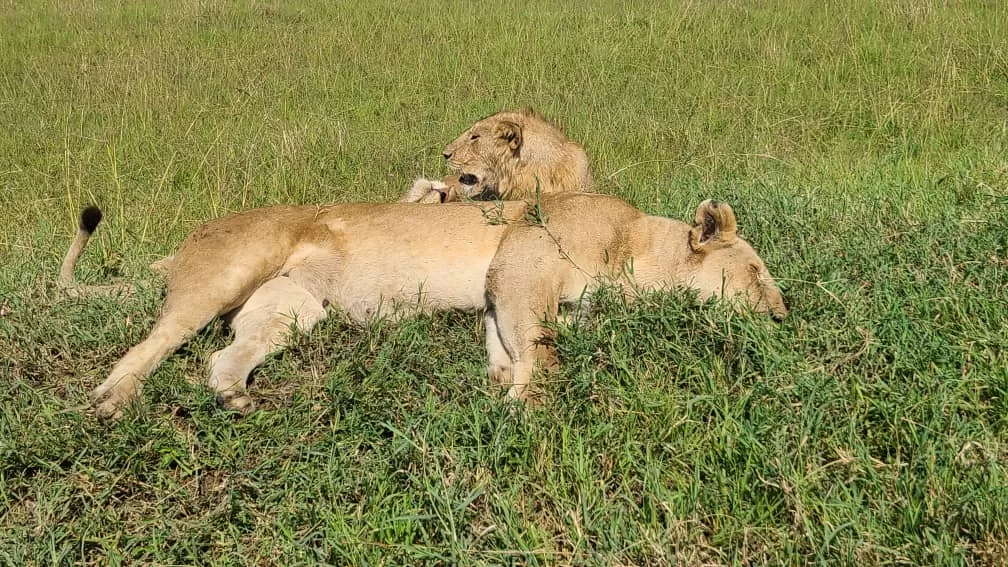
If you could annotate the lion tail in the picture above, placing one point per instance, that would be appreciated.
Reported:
(90, 217)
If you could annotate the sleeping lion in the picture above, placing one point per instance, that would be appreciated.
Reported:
(268, 270)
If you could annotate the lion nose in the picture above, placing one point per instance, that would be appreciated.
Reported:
(468, 179)
(447, 155)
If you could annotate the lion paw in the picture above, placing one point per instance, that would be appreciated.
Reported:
(425, 191)
(239, 402)
(110, 410)
(112, 396)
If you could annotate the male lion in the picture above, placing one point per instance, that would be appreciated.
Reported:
(509, 155)
(269, 269)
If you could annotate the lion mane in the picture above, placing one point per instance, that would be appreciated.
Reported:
(510, 155)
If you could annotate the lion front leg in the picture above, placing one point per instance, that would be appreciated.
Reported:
(498, 360)
(262, 326)
(518, 344)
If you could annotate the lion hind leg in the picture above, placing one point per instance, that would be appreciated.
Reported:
(262, 326)
(126, 378)
(187, 309)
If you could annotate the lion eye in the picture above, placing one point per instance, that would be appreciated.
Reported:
(474, 137)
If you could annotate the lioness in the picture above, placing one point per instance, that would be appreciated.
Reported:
(508, 155)
(269, 269)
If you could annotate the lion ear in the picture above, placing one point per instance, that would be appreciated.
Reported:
(714, 226)
(510, 133)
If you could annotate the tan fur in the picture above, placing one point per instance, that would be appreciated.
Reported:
(511, 153)
(268, 269)
(427, 191)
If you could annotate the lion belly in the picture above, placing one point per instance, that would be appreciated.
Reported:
(379, 288)
(393, 259)
(395, 283)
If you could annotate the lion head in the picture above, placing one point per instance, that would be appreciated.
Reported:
(511, 154)
(724, 265)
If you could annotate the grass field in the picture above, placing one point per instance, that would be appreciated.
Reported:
(863, 145)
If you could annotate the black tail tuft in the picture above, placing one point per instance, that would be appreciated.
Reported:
(89, 219)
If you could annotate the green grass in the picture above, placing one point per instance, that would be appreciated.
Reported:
(863, 145)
